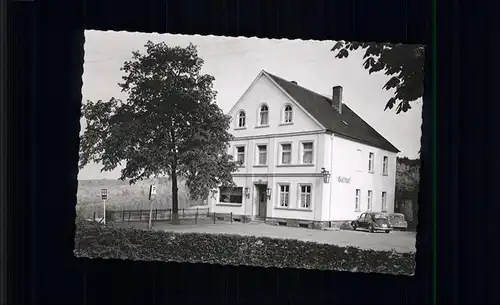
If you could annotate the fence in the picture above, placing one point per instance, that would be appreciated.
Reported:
(196, 215)
(156, 214)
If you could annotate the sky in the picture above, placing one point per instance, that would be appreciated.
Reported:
(235, 62)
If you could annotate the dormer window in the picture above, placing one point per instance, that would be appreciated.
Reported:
(288, 114)
(242, 119)
(264, 115)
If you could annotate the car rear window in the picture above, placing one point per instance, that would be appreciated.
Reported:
(398, 217)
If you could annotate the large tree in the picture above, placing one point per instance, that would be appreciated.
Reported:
(169, 124)
(402, 63)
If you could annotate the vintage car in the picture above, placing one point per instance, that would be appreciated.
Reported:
(397, 221)
(372, 221)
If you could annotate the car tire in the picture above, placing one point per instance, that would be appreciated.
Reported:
(387, 231)
(353, 225)
(371, 229)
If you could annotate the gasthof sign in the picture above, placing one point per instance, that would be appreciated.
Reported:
(344, 180)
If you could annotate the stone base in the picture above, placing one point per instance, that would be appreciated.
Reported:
(317, 225)
(231, 217)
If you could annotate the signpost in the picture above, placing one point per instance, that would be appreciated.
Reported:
(152, 194)
(104, 197)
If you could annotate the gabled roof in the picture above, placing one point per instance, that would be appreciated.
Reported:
(347, 124)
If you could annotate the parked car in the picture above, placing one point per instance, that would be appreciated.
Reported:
(372, 221)
(397, 221)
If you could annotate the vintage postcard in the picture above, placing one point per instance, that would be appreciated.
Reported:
(248, 151)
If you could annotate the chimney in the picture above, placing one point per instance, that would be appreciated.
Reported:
(337, 98)
(293, 82)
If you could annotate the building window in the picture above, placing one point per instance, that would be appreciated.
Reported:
(284, 195)
(385, 165)
(357, 206)
(359, 159)
(288, 114)
(369, 201)
(307, 153)
(371, 162)
(305, 196)
(384, 201)
(242, 119)
(261, 154)
(240, 155)
(286, 153)
(231, 195)
(264, 115)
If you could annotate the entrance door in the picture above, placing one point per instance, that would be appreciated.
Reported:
(262, 201)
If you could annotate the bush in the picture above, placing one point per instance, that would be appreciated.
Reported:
(93, 240)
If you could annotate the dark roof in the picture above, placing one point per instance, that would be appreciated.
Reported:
(321, 109)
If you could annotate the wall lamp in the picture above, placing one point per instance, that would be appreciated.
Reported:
(247, 192)
(268, 193)
(326, 175)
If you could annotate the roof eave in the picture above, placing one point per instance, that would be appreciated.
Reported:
(393, 149)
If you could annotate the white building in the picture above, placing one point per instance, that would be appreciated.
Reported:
(306, 159)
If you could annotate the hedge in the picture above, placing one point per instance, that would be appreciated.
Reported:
(94, 240)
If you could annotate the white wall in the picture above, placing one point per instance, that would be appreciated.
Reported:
(274, 154)
(237, 209)
(294, 211)
(332, 201)
(346, 164)
(262, 91)
(274, 173)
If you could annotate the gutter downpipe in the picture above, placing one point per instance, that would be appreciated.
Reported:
(331, 180)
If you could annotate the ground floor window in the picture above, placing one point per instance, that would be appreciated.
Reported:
(231, 195)
(384, 201)
(284, 195)
(357, 205)
(370, 198)
(305, 196)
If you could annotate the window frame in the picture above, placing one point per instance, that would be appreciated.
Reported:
(257, 154)
(280, 184)
(357, 200)
(259, 117)
(359, 160)
(369, 200)
(231, 194)
(371, 162)
(285, 113)
(242, 164)
(281, 151)
(383, 199)
(385, 165)
(238, 119)
(301, 152)
(299, 197)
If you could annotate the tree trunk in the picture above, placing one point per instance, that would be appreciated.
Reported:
(175, 202)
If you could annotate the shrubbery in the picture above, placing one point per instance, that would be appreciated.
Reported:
(93, 240)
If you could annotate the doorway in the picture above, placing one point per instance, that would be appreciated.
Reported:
(261, 200)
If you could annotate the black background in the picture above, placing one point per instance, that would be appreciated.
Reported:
(45, 64)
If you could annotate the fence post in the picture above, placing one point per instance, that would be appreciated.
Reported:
(214, 217)
(156, 214)
(94, 216)
(123, 216)
(196, 217)
(140, 215)
(231, 217)
(169, 214)
(208, 212)
(183, 215)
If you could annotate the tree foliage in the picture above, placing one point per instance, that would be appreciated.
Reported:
(169, 125)
(403, 63)
(407, 176)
